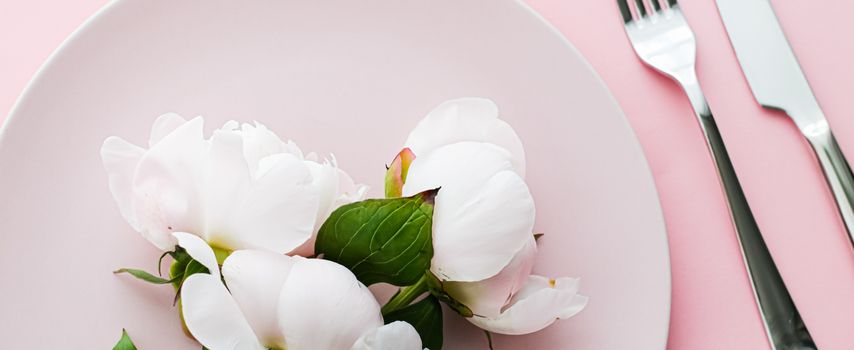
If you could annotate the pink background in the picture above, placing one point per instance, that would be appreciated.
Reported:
(712, 304)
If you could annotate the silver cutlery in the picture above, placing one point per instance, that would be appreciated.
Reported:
(663, 40)
(778, 83)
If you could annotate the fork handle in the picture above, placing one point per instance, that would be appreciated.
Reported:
(783, 324)
(836, 172)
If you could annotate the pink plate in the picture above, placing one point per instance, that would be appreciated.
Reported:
(347, 77)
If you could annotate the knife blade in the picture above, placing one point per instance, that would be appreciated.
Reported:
(770, 66)
(777, 82)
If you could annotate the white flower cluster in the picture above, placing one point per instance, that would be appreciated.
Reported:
(248, 206)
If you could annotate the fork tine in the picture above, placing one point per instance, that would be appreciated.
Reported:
(624, 9)
(641, 8)
(655, 5)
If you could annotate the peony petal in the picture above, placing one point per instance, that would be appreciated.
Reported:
(487, 298)
(540, 302)
(199, 250)
(484, 212)
(325, 182)
(227, 184)
(397, 335)
(259, 143)
(345, 192)
(324, 179)
(323, 306)
(292, 148)
(348, 192)
(167, 185)
(120, 160)
(164, 125)
(306, 249)
(255, 279)
(278, 209)
(213, 317)
(466, 119)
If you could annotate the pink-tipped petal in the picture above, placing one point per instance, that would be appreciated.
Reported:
(541, 302)
(396, 174)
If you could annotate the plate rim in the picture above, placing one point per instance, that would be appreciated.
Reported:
(87, 25)
(636, 144)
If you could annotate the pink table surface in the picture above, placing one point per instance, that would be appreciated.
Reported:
(712, 304)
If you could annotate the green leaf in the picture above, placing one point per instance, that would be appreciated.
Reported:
(145, 276)
(183, 266)
(381, 240)
(124, 343)
(426, 317)
(176, 272)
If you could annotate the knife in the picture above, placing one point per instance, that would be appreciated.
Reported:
(778, 83)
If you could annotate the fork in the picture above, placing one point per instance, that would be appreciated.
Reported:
(663, 40)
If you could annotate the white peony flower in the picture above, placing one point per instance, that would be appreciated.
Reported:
(483, 220)
(275, 301)
(243, 188)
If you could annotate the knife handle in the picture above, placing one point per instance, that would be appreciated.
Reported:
(783, 324)
(836, 172)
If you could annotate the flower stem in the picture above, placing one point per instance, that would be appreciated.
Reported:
(489, 339)
(405, 296)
